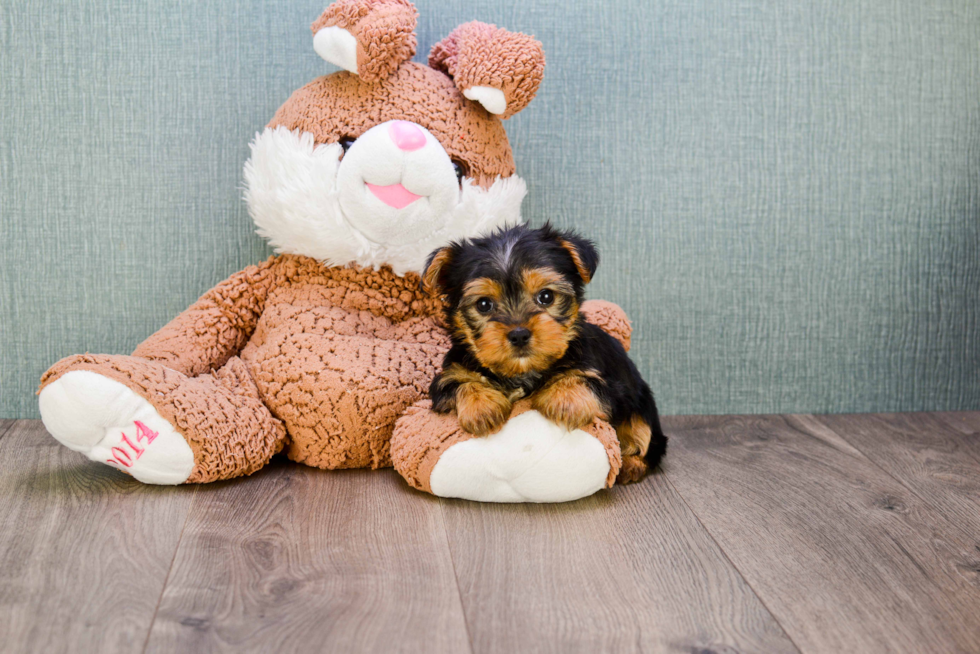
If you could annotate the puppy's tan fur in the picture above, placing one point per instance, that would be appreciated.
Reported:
(634, 440)
(568, 401)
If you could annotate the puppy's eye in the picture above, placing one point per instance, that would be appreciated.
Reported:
(461, 170)
(545, 297)
(346, 142)
(484, 305)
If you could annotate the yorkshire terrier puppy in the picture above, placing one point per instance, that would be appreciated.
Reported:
(512, 304)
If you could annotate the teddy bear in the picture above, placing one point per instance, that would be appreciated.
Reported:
(319, 351)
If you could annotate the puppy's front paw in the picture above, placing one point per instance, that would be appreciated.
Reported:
(634, 469)
(568, 401)
(481, 410)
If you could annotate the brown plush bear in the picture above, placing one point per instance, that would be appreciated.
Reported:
(319, 350)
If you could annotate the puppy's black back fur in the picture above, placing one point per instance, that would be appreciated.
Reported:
(618, 385)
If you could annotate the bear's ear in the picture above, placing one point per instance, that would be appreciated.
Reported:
(499, 69)
(370, 38)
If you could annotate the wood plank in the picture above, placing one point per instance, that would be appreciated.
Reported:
(626, 570)
(924, 454)
(5, 425)
(299, 559)
(967, 424)
(84, 549)
(845, 557)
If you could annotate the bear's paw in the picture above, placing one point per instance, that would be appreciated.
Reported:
(111, 424)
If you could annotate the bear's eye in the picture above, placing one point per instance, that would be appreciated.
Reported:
(545, 297)
(484, 305)
(346, 142)
(461, 170)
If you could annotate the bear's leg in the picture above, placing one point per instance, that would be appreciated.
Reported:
(157, 424)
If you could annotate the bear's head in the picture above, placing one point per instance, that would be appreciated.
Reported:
(385, 161)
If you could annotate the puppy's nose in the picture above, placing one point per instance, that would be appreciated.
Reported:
(407, 136)
(519, 336)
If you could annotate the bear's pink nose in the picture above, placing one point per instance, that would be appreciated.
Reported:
(407, 136)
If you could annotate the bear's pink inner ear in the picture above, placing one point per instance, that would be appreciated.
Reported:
(499, 69)
(370, 38)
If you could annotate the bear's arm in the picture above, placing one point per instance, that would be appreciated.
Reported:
(217, 326)
(610, 318)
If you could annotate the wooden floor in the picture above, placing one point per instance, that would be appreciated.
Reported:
(761, 534)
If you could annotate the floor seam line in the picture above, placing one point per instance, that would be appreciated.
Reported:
(732, 563)
(166, 579)
(11, 425)
(452, 562)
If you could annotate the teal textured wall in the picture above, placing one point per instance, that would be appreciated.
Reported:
(786, 194)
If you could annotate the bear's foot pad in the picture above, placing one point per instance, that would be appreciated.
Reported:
(111, 424)
(531, 459)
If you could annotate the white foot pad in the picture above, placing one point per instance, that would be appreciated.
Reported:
(531, 459)
(111, 424)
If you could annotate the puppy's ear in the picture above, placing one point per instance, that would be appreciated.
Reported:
(499, 69)
(370, 38)
(584, 254)
(435, 275)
